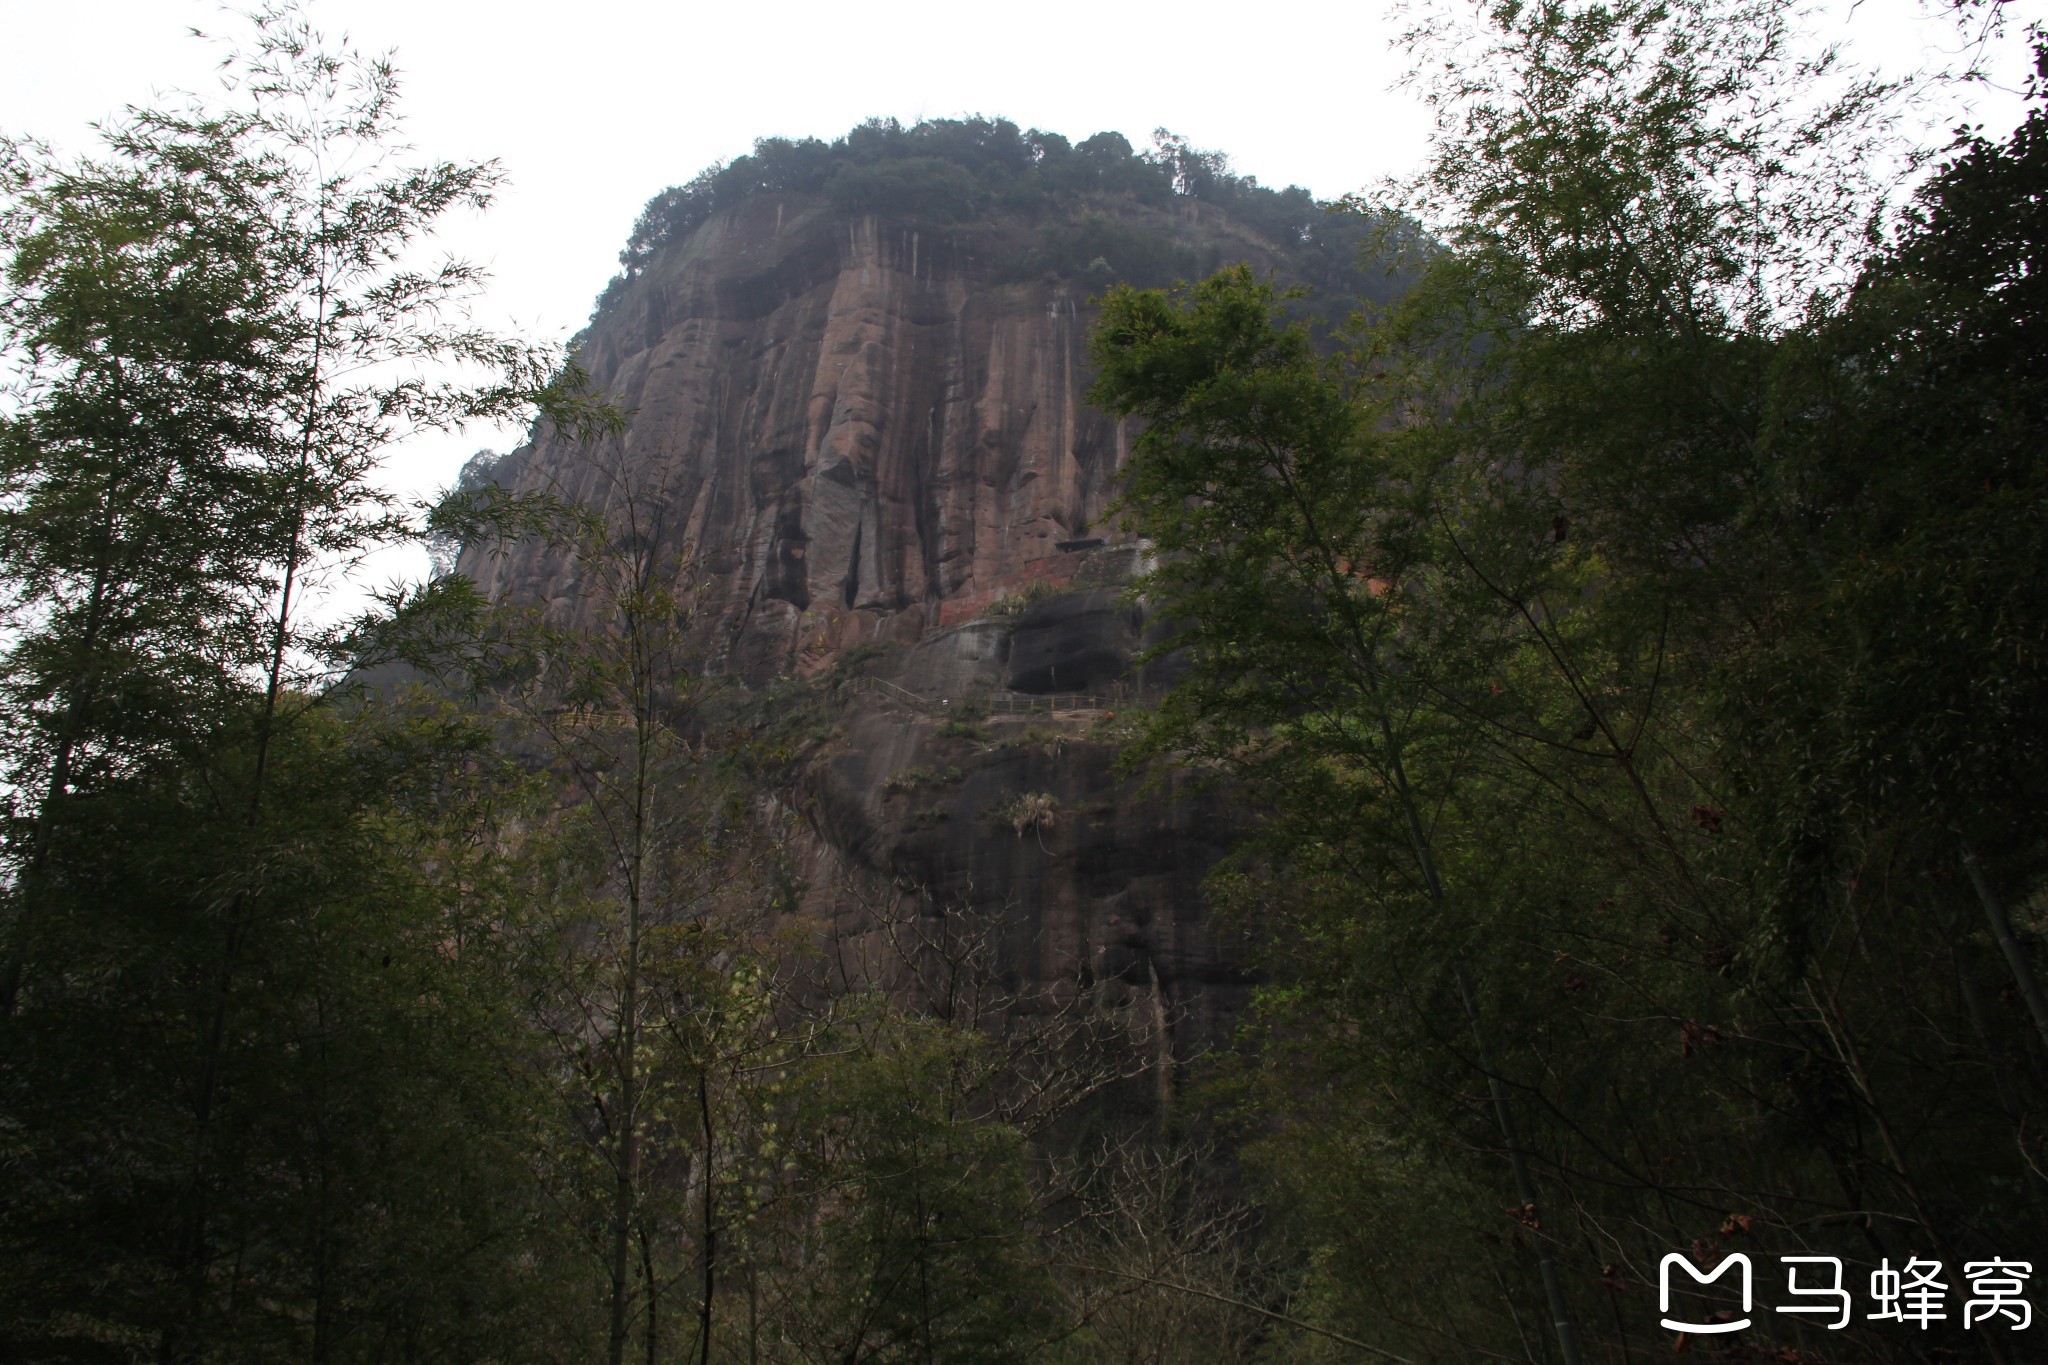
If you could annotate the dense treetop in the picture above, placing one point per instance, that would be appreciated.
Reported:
(1624, 657)
(957, 171)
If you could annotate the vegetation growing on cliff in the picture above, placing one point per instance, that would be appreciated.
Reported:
(958, 171)
(1633, 641)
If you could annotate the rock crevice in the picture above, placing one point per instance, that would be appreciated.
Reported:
(872, 433)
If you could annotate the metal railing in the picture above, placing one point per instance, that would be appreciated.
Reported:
(1026, 703)
(996, 703)
(894, 693)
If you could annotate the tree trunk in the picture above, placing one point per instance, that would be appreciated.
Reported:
(710, 1219)
(2001, 930)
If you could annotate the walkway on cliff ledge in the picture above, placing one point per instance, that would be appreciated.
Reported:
(997, 703)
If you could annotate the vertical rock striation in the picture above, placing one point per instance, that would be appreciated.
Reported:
(865, 431)
(869, 431)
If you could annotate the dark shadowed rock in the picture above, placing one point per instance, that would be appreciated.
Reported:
(1077, 642)
(867, 433)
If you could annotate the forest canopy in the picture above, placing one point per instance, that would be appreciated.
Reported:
(1624, 653)
(1636, 645)
(957, 171)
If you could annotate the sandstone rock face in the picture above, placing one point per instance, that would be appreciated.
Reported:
(865, 430)
(1100, 889)
(870, 433)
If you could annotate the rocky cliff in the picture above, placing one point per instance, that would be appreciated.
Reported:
(865, 431)
(869, 434)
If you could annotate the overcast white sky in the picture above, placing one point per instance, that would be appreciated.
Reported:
(594, 108)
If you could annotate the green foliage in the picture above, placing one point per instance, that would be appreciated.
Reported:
(1631, 645)
(422, 986)
(772, 731)
(925, 1203)
(1040, 737)
(910, 779)
(361, 1152)
(1010, 607)
(1631, 641)
(952, 171)
(914, 187)
(1026, 812)
(252, 1015)
(857, 662)
(1103, 251)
